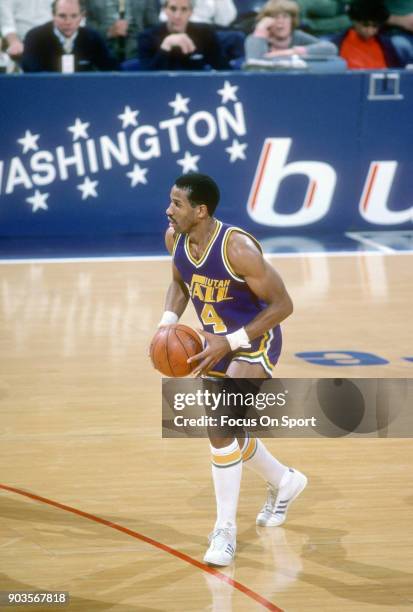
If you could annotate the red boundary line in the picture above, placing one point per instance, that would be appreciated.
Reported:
(312, 188)
(370, 185)
(260, 172)
(139, 536)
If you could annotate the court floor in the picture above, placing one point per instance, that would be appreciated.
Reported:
(94, 502)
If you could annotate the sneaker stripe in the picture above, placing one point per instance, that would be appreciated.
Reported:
(275, 509)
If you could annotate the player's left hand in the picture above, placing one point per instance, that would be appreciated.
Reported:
(216, 348)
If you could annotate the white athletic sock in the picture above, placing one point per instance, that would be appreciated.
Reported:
(226, 474)
(259, 459)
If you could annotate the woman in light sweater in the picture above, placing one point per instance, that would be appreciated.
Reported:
(276, 37)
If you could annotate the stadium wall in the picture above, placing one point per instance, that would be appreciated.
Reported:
(293, 153)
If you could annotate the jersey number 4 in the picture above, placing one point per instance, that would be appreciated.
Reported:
(209, 317)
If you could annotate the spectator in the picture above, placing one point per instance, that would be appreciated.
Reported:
(362, 45)
(220, 14)
(324, 17)
(247, 11)
(17, 17)
(215, 12)
(178, 44)
(276, 37)
(120, 22)
(63, 45)
(400, 23)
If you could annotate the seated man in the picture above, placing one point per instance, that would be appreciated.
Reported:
(324, 17)
(400, 28)
(215, 12)
(62, 45)
(220, 14)
(178, 44)
(362, 46)
(120, 22)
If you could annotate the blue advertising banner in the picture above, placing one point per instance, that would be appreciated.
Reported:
(293, 153)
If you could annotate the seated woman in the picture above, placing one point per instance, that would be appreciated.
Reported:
(275, 36)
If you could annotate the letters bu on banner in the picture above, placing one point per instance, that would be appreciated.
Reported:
(273, 168)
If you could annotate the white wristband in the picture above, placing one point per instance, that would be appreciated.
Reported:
(168, 318)
(238, 339)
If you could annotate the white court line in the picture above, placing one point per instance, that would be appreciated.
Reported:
(367, 241)
(59, 260)
(83, 259)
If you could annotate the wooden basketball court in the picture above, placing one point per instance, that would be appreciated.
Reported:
(94, 501)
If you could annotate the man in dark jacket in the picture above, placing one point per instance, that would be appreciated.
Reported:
(178, 44)
(363, 46)
(62, 45)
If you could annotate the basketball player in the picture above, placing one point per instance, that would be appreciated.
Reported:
(241, 300)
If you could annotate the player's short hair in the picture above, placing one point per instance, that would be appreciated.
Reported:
(201, 189)
(82, 6)
(274, 7)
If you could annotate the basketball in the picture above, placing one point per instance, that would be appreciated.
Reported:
(170, 348)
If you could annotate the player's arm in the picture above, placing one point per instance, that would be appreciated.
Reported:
(247, 261)
(177, 295)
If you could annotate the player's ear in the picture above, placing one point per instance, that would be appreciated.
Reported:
(203, 211)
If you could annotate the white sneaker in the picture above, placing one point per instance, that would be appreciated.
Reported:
(222, 545)
(274, 511)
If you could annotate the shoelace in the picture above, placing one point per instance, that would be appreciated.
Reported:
(224, 532)
(270, 502)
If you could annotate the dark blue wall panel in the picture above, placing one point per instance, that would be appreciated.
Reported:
(363, 145)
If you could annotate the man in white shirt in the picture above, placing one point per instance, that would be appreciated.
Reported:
(215, 12)
(17, 17)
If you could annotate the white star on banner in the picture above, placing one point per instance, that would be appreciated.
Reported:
(29, 141)
(79, 129)
(236, 150)
(88, 188)
(137, 175)
(38, 200)
(128, 117)
(228, 92)
(180, 104)
(189, 162)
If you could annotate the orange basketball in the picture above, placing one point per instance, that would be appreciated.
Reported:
(171, 346)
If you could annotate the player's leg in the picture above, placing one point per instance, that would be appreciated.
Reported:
(226, 466)
(284, 483)
(226, 475)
